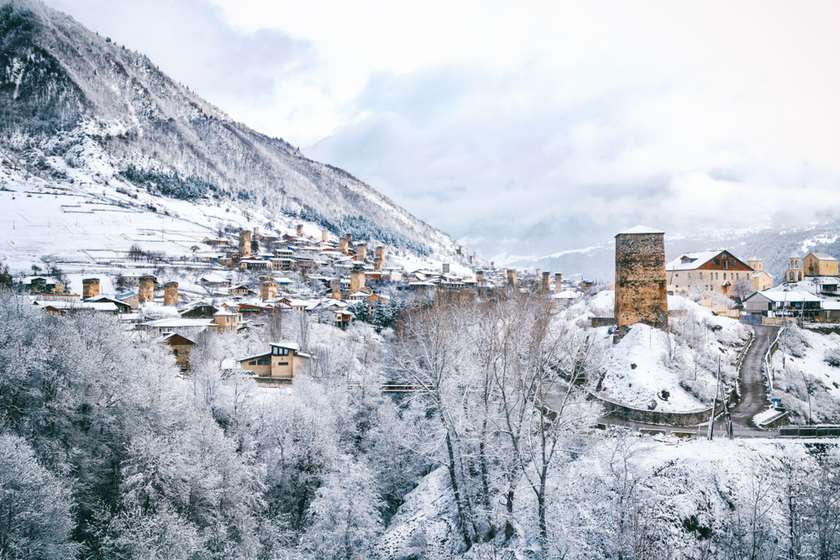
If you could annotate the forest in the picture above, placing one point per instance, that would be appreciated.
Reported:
(108, 451)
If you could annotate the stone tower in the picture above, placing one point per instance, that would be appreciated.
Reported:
(244, 244)
(379, 261)
(357, 280)
(170, 293)
(361, 252)
(90, 288)
(794, 270)
(558, 281)
(146, 289)
(268, 290)
(545, 285)
(511, 278)
(640, 282)
(756, 264)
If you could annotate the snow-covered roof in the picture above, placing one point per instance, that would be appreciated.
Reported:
(640, 230)
(168, 337)
(823, 256)
(566, 294)
(782, 296)
(223, 313)
(178, 323)
(830, 304)
(86, 305)
(692, 261)
(286, 344)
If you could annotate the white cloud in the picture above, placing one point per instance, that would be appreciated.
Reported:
(537, 126)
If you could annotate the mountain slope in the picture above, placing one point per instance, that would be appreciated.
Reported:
(76, 108)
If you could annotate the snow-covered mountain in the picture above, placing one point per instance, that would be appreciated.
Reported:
(775, 246)
(81, 116)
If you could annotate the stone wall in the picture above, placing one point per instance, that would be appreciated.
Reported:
(640, 281)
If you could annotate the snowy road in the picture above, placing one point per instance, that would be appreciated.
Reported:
(753, 388)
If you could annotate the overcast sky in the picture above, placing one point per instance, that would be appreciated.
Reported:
(523, 127)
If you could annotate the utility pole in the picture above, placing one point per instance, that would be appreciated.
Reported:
(711, 434)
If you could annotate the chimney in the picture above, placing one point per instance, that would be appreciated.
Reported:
(335, 288)
(244, 244)
(357, 280)
(546, 280)
(511, 278)
(90, 288)
(299, 230)
(558, 281)
(268, 290)
(170, 293)
(361, 252)
(146, 289)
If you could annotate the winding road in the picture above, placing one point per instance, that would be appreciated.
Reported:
(753, 387)
(753, 396)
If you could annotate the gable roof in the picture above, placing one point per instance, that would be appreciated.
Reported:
(693, 261)
(782, 296)
(175, 338)
(822, 256)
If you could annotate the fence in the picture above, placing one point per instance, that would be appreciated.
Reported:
(768, 369)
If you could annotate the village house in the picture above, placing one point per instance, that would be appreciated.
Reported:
(760, 279)
(199, 310)
(122, 306)
(783, 303)
(226, 320)
(187, 327)
(61, 307)
(281, 363)
(181, 347)
(819, 264)
(708, 271)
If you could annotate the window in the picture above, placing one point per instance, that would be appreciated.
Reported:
(282, 363)
(279, 351)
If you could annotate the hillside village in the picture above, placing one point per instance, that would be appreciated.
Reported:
(240, 280)
(214, 347)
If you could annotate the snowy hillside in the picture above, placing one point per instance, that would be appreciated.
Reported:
(95, 123)
(806, 374)
(669, 371)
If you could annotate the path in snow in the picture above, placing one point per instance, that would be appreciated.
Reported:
(753, 387)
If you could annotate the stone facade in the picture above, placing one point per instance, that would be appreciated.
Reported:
(170, 293)
(641, 294)
(511, 278)
(146, 289)
(244, 244)
(357, 280)
(558, 281)
(545, 286)
(90, 288)
(268, 290)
